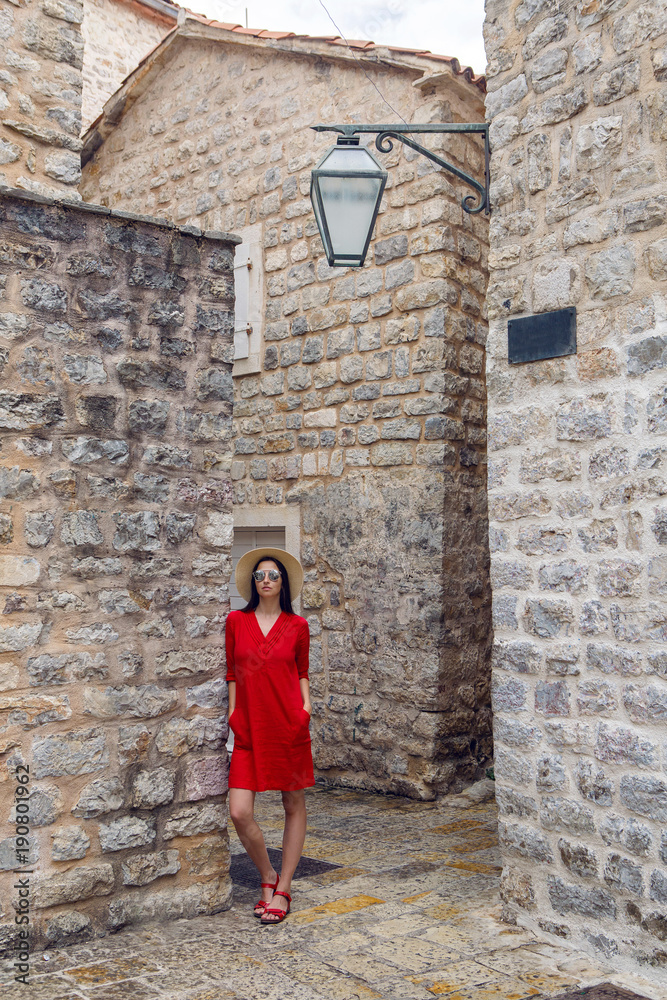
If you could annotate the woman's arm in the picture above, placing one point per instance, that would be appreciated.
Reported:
(231, 688)
(305, 694)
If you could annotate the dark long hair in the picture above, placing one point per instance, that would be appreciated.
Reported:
(285, 597)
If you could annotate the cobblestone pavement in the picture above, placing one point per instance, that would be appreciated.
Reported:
(411, 913)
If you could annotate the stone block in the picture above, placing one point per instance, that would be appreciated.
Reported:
(645, 704)
(512, 506)
(390, 249)
(46, 805)
(143, 701)
(547, 619)
(552, 698)
(133, 742)
(80, 528)
(83, 450)
(595, 903)
(550, 774)
(656, 259)
(625, 875)
(79, 752)
(513, 803)
(524, 841)
(126, 831)
(597, 698)
(578, 859)
(617, 83)
(340, 342)
(538, 540)
(152, 788)
(391, 454)
(597, 535)
(593, 784)
(646, 796)
(137, 532)
(518, 576)
(566, 815)
(19, 571)
(44, 296)
(84, 369)
(575, 736)
(188, 821)
(179, 736)
(619, 578)
(64, 668)
(506, 96)
(147, 867)
(69, 843)
(647, 355)
(23, 411)
(621, 745)
(82, 882)
(564, 576)
(508, 694)
(99, 796)
(584, 419)
(14, 638)
(610, 272)
(512, 767)
(207, 777)
(148, 416)
(516, 734)
(68, 927)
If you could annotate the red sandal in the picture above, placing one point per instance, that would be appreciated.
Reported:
(276, 911)
(263, 903)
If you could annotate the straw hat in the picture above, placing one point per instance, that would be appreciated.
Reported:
(244, 568)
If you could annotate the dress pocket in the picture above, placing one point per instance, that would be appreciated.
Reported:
(236, 726)
(303, 723)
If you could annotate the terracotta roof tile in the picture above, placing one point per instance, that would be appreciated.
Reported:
(408, 52)
(276, 34)
(478, 80)
(354, 43)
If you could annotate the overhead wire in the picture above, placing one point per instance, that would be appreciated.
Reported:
(358, 61)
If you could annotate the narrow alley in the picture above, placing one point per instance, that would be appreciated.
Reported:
(408, 908)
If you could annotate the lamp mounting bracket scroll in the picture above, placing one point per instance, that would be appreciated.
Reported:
(348, 182)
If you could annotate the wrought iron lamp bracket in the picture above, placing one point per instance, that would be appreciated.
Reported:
(385, 134)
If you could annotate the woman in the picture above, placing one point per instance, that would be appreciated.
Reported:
(269, 713)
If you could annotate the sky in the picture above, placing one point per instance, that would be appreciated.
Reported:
(447, 27)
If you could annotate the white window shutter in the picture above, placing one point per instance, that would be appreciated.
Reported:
(242, 328)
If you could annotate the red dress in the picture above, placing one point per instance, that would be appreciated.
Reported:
(270, 724)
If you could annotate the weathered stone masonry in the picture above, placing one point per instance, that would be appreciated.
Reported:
(577, 485)
(116, 337)
(365, 410)
(41, 54)
(117, 34)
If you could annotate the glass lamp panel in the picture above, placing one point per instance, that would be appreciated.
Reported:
(349, 204)
(345, 159)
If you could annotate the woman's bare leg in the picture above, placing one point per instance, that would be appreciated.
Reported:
(242, 813)
(294, 835)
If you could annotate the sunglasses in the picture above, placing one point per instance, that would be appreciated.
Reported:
(259, 574)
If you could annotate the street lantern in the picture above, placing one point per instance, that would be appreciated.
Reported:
(346, 190)
(347, 184)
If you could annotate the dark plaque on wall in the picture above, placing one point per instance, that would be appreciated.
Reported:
(545, 335)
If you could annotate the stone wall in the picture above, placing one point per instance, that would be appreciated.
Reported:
(365, 409)
(577, 481)
(115, 534)
(117, 35)
(40, 96)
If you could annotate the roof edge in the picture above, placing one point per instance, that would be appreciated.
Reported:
(194, 28)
